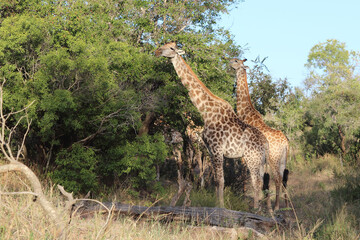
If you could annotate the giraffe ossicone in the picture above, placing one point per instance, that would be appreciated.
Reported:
(224, 134)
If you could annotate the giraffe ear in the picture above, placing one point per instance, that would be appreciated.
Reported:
(244, 60)
(180, 52)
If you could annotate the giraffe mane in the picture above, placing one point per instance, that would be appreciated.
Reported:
(201, 83)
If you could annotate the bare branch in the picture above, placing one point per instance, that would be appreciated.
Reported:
(70, 202)
(18, 193)
(20, 150)
(6, 145)
(19, 111)
(182, 28)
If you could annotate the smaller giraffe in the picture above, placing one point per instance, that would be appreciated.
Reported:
(278, 142)
(197, 153)
(224, 134)
(185, 185)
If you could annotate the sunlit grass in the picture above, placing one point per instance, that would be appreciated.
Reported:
(317, 196)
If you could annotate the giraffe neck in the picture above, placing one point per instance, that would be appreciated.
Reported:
(243, 101)
(245, 110)
(199, 94)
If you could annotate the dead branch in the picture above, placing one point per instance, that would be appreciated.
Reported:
(37, 190)
(70, 199)
(220, 217)
(71, 202)
(18, 193)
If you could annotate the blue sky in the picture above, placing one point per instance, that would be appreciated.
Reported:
(285, 31)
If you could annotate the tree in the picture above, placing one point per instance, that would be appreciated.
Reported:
(333, 87)
(265, 93)
(90, 67)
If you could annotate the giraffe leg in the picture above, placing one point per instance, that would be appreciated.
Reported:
(219, 179)
(181, 189)
(278, 184)
(187, 201)
(277, 198)
(257, 182)
(285, 179)
(180, 179)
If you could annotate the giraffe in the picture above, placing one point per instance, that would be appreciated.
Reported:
(184, 183)
(176, 142)
(196, 152)
(278, 142)
(224, 134)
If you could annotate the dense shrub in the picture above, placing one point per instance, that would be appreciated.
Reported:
(139, 160)
(76, 168)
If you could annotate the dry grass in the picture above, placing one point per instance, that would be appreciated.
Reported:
(319, 215)
(21, 218)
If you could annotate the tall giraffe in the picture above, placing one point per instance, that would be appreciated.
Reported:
(278, 142)
(224, 134)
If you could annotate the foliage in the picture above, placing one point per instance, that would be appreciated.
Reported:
(266, 93)
(334, 88)
(323, 117)
(90, 67)
(76, 169)
(139, 160)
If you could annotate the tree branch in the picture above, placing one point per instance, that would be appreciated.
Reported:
(37, 189)
(18, 193)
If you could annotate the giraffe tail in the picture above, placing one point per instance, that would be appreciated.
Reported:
(285, 177)
(285, 173)
(266, 181)
(283, 161)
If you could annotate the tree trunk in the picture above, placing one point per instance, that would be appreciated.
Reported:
(144, 129)
(196, 215)
(342, 140)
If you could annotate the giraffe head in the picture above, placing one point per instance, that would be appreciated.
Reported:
(168, 50)
(238, 64)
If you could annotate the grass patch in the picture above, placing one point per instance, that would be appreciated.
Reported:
(326, 203)
(348, 187)
(341, 226)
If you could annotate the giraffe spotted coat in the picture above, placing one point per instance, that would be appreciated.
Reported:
(278, 142)
(224, 134)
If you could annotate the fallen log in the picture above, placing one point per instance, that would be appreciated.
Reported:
(220, 217)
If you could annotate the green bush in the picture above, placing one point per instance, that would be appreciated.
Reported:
(76, 169)
(140, 158)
